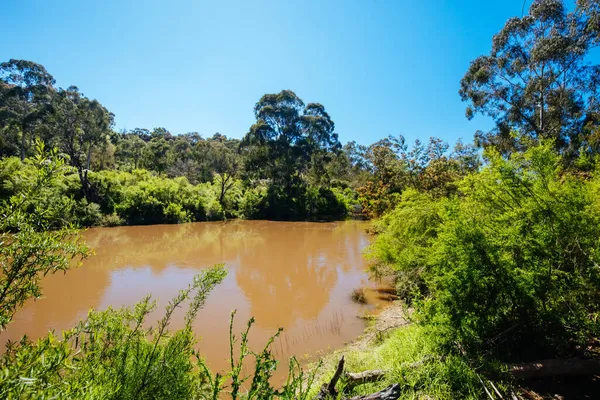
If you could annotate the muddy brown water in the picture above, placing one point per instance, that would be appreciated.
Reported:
(295, 275)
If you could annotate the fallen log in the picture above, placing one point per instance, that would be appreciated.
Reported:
(353, 379)
(328, 389)
(360, 378)
(556, 367)
(391, 392)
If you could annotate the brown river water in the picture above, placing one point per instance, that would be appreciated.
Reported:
(295, 275)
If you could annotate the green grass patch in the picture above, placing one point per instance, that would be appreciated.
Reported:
(439, 376)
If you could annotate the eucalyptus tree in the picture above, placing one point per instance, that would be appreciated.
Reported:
(537, 79)
(130, 148)
(226, 164)
(82, 125)
(288, 135)
(25, 92)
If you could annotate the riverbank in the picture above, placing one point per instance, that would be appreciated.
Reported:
(401, 353)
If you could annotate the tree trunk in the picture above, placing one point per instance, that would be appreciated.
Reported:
(89, 158)
(23, 141)
(223, 188)
(82, 181)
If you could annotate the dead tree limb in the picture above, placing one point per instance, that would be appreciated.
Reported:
(556, 367)
(328, 389)
(375, 375)
(360, 378)
(391, 392)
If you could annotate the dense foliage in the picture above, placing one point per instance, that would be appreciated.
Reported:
(509, 265)
(290, 164)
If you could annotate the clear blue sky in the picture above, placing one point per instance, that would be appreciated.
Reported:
(379, 67)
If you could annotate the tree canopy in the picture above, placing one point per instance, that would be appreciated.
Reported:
(538, 81)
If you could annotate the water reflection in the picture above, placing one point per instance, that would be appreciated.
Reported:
(294, 275)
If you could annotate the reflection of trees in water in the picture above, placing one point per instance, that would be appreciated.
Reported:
(189, 245)
(67, 297)
(293, 275)
(285, 270)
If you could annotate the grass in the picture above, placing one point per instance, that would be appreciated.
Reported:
(438, 376)
(358, 295)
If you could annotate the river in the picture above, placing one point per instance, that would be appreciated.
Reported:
(295, 275)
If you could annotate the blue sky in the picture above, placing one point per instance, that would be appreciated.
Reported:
(379, 67)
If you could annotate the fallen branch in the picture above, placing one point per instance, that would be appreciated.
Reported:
(360, 378)
(328, 390)
(391, 392)
(556, 367)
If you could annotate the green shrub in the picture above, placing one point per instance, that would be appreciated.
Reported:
(140, 197)
(111, 220)
(87, 214)
(253, 203)
(323, 203)
(28, 251)
(175, 214)
(510, 263)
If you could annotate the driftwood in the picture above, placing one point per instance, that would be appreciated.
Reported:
(556, 367)
(352, 380)
(328, 390)
(391, 392)
(360, 378)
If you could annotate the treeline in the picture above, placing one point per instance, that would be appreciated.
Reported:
(289, 165)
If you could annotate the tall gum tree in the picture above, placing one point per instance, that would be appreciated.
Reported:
(25, 92)
(288, 138)
(289, 133)
(83, 125)
(537, 80)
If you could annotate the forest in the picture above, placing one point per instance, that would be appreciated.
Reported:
(289, 166)
(493, 245)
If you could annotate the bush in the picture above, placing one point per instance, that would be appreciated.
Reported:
(142, 198)
(510, 263)
(87, 214)
(111, 220)
(27, 251)
(323, 203)
(175, 214)
(254, 202)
